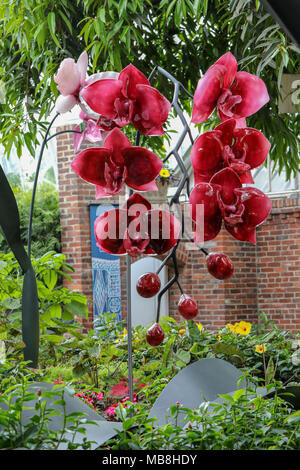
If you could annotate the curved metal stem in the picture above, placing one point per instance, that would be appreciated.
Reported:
(62, 132)
(184, 181)
(35, 184)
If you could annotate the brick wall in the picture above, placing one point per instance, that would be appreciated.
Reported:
(266, 276)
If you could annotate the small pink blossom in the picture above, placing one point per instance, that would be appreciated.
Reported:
(91, 132)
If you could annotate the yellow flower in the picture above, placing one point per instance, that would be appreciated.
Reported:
(164, 173)
(219, 338)
(260, 348)
(199, 326)
(243, 328)
(182, 331)
(124, 333)
(232, 328)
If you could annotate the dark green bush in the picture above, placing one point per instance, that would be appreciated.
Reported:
(46, 223)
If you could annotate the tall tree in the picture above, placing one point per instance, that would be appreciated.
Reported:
(183, 36)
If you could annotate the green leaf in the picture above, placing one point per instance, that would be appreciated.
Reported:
(227, 397)
(77, 308)
(11, 303)
(184, 356)
(101, 14)
(95, 351)
(167, 350)
(51, 22)
(238, 394)
(54, 311)
(197, 350)
(52, 27)
(227, 349)
(67, 316)
(128, 423)
(270, 371)
(152, 366)
(66, 20)
(53, 338)
(50, 278)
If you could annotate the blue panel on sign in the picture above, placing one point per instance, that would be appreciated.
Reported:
(106, 272)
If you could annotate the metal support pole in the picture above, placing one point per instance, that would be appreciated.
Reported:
(129, 329)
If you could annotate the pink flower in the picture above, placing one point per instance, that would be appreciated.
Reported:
(70, 78)
(130, 98)
(224, 199)
(228, 146)
(117, 163)
(110, 411)
(91, 132)
(235, 94)
(59, 381)
(136, 229)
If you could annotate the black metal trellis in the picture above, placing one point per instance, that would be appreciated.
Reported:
(184, 181)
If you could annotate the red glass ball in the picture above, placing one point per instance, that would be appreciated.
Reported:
(219, 265)
(148, 285)
(187, 307)
(155, 335)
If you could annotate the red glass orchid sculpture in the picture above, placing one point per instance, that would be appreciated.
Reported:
(235, 94)
(222, 160)
(136, 229)
(224, 199)
(118, 162)
(228, 146)
(129, 98)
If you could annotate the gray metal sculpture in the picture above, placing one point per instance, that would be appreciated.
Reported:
(97, 433)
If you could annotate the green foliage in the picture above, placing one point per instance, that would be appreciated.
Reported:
(56, 304)
(46, 223)
(35, 434)
(185, 37)
(237, 423)
(97, 360)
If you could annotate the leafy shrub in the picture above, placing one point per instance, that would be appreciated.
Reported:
(35, 434)
(238, 423)
(46, 222)
(57, 304)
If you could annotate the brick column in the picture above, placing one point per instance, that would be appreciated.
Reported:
(75, 195)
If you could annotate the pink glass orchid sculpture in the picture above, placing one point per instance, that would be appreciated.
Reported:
(129, 98)
(117, 163)
(91, 132)
(70, 78)
(241, 209)
(136, 229)
(235, 94)
(240, 149)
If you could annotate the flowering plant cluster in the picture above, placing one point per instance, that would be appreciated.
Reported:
(222, 161)
(90, 397)
(240, 328)
(111, 410)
